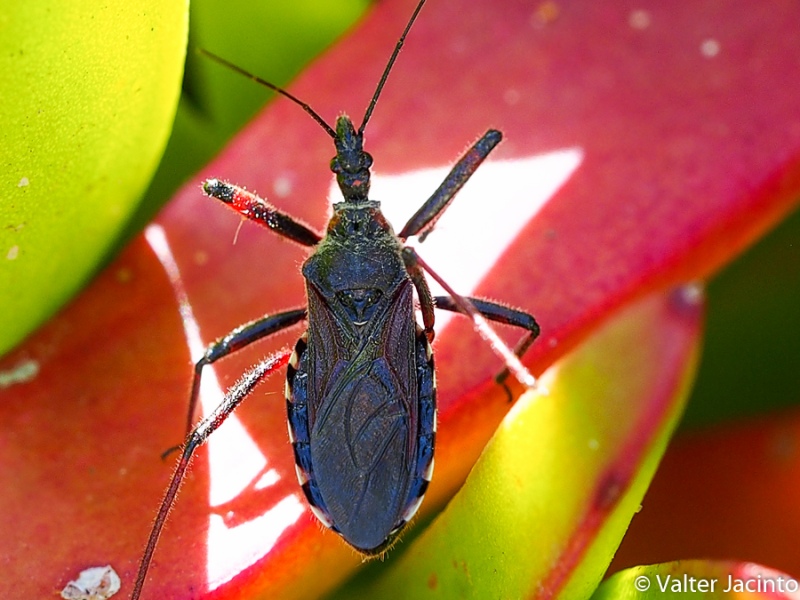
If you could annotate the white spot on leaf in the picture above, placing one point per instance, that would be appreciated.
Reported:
(95, 583)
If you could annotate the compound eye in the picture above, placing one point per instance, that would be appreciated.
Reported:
(358, 302)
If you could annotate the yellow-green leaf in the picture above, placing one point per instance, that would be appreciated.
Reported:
(89, 92)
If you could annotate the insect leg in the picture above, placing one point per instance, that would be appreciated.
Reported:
(259, 210)
(500, 314)
(205, 428)
(424, 220)
(242, 336)
(426, 303)
(413, 262)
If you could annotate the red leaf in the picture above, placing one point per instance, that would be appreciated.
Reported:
(746, 475)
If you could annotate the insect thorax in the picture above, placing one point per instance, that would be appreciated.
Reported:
(358, 265)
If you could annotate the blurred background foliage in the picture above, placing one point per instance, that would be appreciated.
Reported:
(752, 346)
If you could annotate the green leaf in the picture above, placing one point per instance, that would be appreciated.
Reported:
(89, 94)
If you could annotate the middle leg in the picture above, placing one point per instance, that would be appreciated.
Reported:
(239, 338)
(498, 313)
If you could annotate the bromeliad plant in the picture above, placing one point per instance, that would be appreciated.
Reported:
(683, 151)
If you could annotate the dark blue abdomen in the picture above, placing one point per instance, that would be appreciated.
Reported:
(364, 450)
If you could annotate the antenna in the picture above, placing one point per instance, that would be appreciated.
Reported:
(305, 106)
(389, 66)
(273, 87)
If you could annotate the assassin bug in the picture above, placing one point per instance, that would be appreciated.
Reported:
(360, 383)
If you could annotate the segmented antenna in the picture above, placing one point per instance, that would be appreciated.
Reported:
(308, 108)
(389, 66)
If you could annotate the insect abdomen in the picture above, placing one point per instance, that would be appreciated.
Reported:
(366, 478)
(426, 434)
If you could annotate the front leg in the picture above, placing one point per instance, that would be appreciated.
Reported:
(262, 212)
(425, 218)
